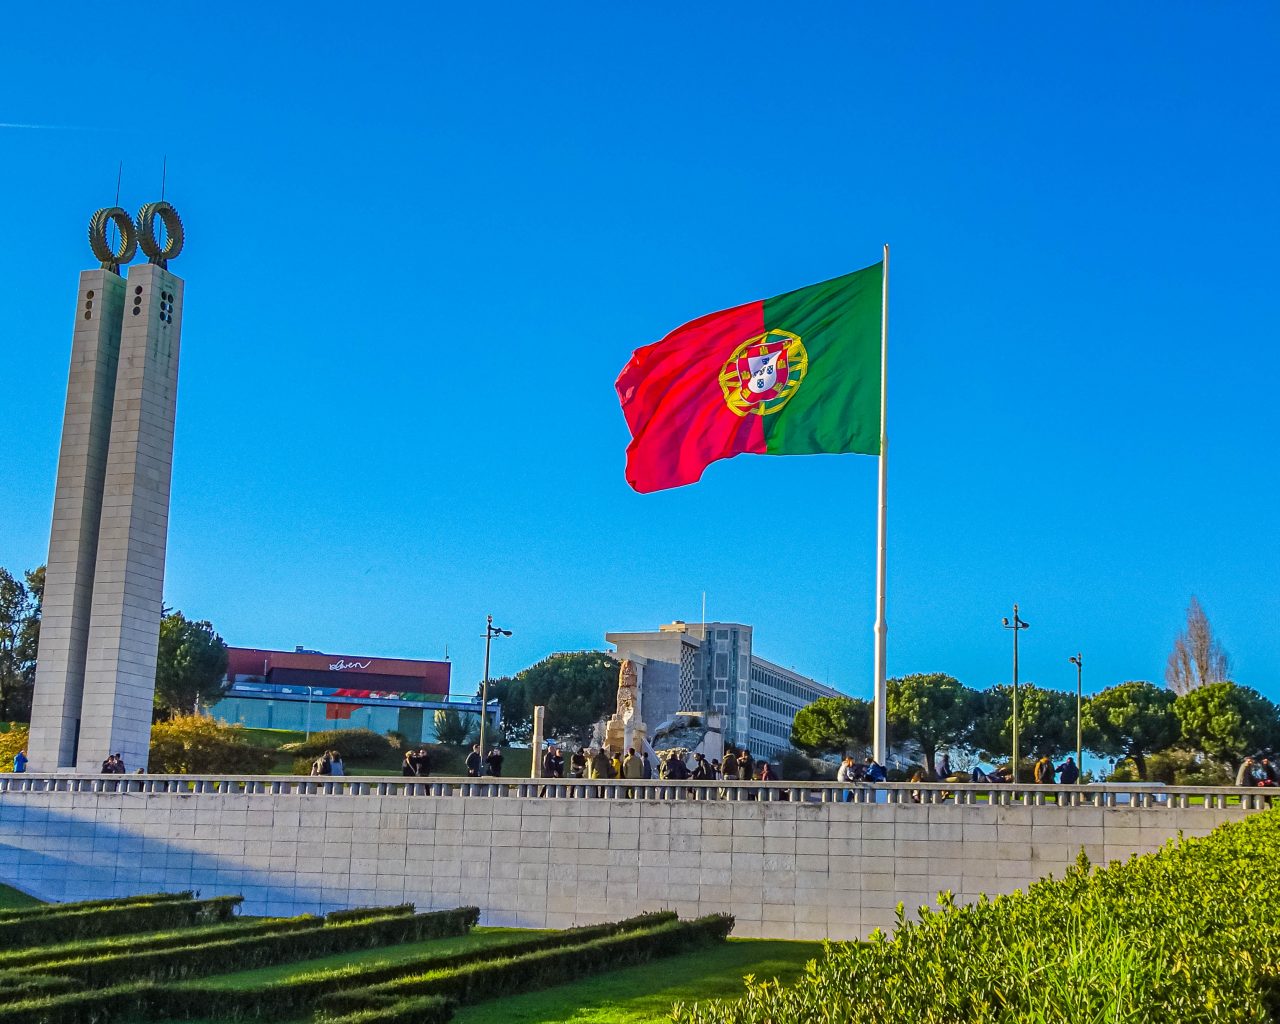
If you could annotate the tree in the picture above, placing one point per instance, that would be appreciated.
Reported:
(577, 690)
(1226, 722)
(192, 744)
(833, 725)
(453, 730)
(1198, 658)
(933, 709)
(20, 602)
(191, 662)
(1133, 720)
(1046, 721)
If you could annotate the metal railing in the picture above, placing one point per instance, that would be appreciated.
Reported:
(904, 793)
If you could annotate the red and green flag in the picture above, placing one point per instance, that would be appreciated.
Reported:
(797, 374)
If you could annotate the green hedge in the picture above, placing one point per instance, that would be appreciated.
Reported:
(15, 986)
(122, 1003)
(507, 975)
(1190, 934)
(286, 999)
(364, 913)
(77, 924)
(248, 953)
(39, 955)
(420, 1010)
(62, 908)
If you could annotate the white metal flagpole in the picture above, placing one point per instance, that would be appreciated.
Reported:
(880, 738)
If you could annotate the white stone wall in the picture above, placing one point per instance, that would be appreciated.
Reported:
(784, 870)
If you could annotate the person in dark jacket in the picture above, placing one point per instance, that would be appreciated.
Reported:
(474, 761)
(1069, 772)
(494, 761)
(552, 763)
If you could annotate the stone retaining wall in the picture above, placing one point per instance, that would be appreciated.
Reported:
(783, 869)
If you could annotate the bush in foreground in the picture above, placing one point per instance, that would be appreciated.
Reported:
(1190, 934)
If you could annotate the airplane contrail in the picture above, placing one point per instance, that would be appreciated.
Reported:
(51, 127)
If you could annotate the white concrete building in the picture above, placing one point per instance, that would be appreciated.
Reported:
(713, 668)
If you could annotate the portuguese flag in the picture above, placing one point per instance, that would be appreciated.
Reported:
(797, 374)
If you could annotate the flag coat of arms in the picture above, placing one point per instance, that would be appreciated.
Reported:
(798, 374)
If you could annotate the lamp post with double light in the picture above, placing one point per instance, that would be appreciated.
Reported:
(1078, 662)
(1017, 625)
(490, 632)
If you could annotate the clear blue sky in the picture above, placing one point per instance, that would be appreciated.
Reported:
(423, 242)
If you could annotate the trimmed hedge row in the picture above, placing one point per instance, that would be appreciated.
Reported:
(124, 901)
(286, 999)
(363, 913)
(228, 956)
(502, 976)
(40, 955)
(419, 1010)
(14, 986)
(74, 925)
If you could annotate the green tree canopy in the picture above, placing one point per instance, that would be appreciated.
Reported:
(20, 601)
(833, 725)
(1226, 722)
(1133, 720)
(190, 664)
(933, 709)
(577, 690)
(1046, 721)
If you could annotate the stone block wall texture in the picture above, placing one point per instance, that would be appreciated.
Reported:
(124, 627)
(784, 870)
(77, 510)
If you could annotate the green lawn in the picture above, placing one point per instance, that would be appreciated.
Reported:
(12, 899)
(644, 994)
(478, 938)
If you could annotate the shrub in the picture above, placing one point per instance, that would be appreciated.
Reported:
(41, 955)
(1189, 934)
(11, 742)
(286, 999)
(122, 1003)
(193, 744)
(246, 953)
(364, 913)
(420, 1010)
(66, 908)
(505, 975)
(74, 925)
(352, 744)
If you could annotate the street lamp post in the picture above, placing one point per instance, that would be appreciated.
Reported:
(490, 631)
(309, 693)
(1078, 662)
(1017, 625)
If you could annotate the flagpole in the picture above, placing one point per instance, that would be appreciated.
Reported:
(880, 738)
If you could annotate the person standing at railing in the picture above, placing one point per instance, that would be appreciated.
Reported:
(336, 767)
(474, 761)
(845, 773)
(20, 761)
(1044, 772)
(1069, 772)
(632, 768)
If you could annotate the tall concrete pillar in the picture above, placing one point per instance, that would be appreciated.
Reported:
(77, 507)
(124, 630)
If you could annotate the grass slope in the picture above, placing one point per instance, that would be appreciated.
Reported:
(644, 994)
(12, 899)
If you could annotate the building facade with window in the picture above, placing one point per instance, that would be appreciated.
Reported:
(713, 668)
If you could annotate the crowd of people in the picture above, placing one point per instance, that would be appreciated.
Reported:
(1260, 770)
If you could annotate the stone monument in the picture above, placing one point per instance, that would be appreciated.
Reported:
(625, 728)
(95, 672)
